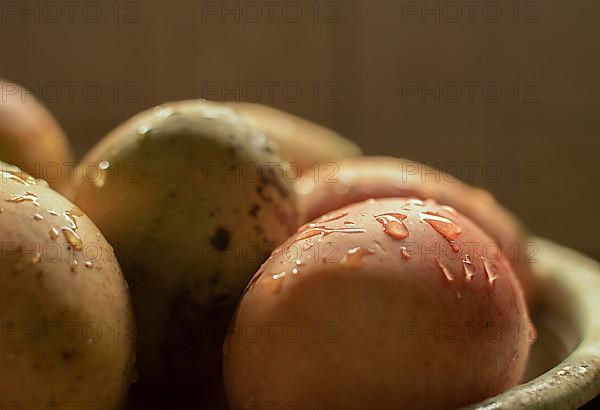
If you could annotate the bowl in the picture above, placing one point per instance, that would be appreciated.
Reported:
(564, 366)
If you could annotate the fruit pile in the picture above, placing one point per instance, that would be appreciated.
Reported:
(230, 255)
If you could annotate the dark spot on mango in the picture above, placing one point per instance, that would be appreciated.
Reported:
(261, 192)
(220, 239)
(254, 210)
(67, 355)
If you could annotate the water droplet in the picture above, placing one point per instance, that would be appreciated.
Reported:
(163, 112)
(444, 226)
(295, 271)
(454, 246)
(321, 231)
(26, 197)
(415, 202)
(36, 258)
(72, 237)
(583, 368)
(404, 253)
(101, 179)
(53, 233)
(38, 217)
(468, 268)
(348, 223)
(393, 225)
(75, 212)
(279, 275)
(88, 264)
(298, 262)
(308, 245)
(70, 217)
(354, 257)
(489, 270)
(54, 213)
(74, 265)
(19, 176)
(143, 130)
(444, 269)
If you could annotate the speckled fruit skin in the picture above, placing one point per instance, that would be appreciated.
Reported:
(303, 142)
(356, 179)
(31, 138)
(67, 330)
(188, 229)
(363, 336)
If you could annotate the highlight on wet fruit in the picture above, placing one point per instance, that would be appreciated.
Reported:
(388, 303)
(346, 181)
(193, 198)
(68, 333)
(31, 138)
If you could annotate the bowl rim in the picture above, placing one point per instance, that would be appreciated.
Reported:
(576, 379)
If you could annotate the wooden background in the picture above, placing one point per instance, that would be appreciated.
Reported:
(358, 55)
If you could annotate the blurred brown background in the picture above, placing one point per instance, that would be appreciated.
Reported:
(505, 86)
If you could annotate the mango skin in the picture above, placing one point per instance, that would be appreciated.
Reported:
(352, 180)
(320, 328)
(193, 199)
(31, 138)
(66, 316)
(302, 141)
